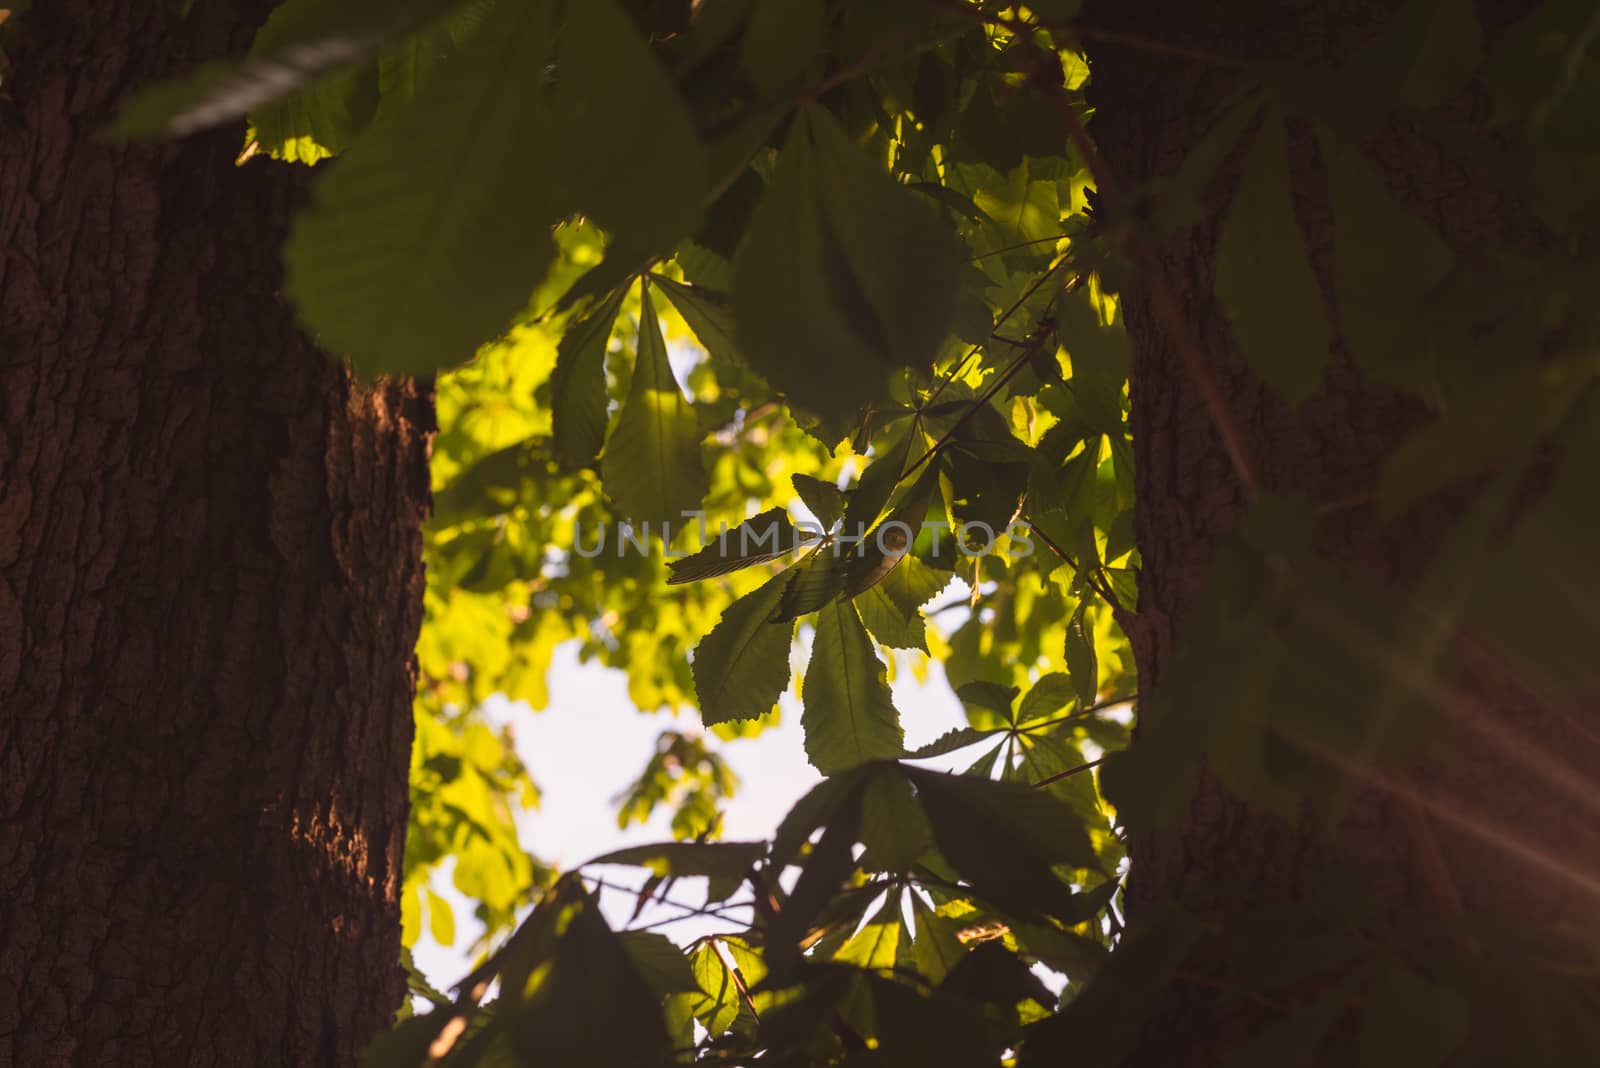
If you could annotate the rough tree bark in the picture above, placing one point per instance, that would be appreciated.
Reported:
(210, 588)
(1153, 108)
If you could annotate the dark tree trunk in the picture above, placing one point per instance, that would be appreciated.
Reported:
(1229, 858)
(210, 587)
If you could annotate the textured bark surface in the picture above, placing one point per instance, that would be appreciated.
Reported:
(210, 587)
(1230, 858)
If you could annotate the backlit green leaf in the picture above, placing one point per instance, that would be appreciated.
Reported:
(742, 667)
(430, 234)
(843, 274)
(707, 314)
(883, 619)
(893, 828)
(301, 44)
(615, 106)
(1004, 838)
(651, 468)
(757, 540)
(825, 499)
(578, 386)
(849, 716)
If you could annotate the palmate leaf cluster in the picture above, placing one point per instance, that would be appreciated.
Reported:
(821, 268)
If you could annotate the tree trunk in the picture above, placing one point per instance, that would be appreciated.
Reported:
(1229, 858)
(210, 589)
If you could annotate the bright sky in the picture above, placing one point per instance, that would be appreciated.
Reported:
(591, 743)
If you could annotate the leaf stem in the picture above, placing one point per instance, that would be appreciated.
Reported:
(1034, 345)
(1087, 765)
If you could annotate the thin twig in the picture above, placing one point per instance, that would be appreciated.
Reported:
(1092, 576)
(689, 911)
(1079, 714)
(738, 978)
(1034, 346)
(1016, 305)
(1018, 245)
(1087, 765)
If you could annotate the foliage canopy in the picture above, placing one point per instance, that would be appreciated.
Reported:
(807, 266)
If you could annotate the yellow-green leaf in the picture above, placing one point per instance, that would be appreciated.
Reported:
(849, 716)
(652, 469)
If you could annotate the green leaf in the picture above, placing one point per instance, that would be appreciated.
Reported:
(1055, 10)
(782, 41)
(983, 767)
(883, 619)
(677, 860)
(721, 1005)
(992, 974)
(838, 798)
(936, 948)
(1180, 200)
(578, 386)
(902, 256)
(301, 43)
(316, 122)
(1000, 133)
(875, 944)
(1053, 757)
(990, 695)
(1004, 838)
(742, 667)
(825, 500)
(818, 580)
(1051, 693)
(708, 315)
(1101, 357)
(826, 867)
(1498, 424)
(757, 540)
(662, 963)
(410, 64)
(441, 918)
(433, 231)
(587, 1002)
(1082, 664)
(913, 584)
(652, 469)
(893, 828)
(407, 1044)
(1424, 53)
(843, 274)
(617, 109)
(1264, 277)
(783, 308)
(849, 716)
(1098, 1027)
(1447, 43)
(950, 741)
(916, 1031)
(874, 488)
(430, 234)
